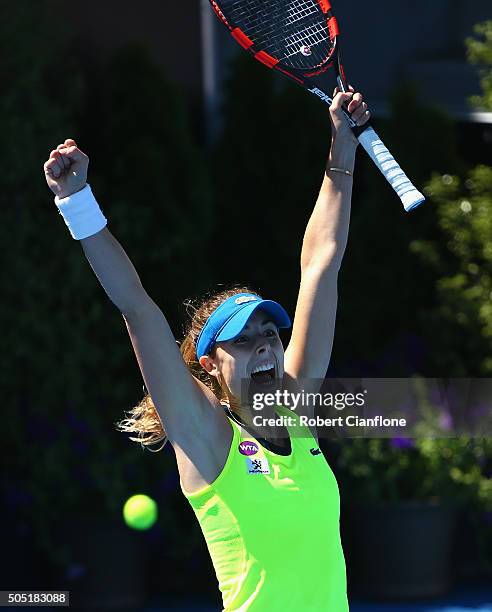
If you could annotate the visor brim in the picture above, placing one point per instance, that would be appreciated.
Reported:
(237, 323)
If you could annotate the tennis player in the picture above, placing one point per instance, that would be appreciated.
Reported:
(265, 498)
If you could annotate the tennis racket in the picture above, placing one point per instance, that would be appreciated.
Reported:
(300, 39)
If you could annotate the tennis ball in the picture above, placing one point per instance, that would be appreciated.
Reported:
(140, 512)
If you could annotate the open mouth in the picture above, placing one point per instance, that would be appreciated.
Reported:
(264, 375)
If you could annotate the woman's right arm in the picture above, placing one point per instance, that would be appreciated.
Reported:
(182, 402)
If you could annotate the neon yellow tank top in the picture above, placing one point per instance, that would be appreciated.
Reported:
(271, 524)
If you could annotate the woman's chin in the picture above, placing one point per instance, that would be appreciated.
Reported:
(262, 387)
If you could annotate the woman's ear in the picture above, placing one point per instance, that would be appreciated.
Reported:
(208, 365)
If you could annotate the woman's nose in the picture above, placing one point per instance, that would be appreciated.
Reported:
(262, 347)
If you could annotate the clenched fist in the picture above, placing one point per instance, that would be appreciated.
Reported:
(354, 103)
(66, 169)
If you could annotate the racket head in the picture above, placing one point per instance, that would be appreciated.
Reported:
(296, 37)
(300, 39)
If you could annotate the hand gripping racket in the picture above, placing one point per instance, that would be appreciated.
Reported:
(300, 38)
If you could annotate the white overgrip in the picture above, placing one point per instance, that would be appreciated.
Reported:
(395, 176)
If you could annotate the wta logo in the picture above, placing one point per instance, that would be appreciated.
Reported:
(248, 448)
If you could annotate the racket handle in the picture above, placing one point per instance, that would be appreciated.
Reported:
(408, 194)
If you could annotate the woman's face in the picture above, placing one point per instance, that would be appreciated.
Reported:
(257, 348)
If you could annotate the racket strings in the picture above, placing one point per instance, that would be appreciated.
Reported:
(311, 36)
(293, 31)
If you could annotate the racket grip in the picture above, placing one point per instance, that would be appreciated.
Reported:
(408, 194)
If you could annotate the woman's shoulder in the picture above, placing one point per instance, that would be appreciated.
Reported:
(202, 446)
(202, 456)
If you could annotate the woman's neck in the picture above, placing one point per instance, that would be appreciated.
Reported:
(259, 422)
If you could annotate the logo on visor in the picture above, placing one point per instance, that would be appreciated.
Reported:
(248, 448)
(245, 298)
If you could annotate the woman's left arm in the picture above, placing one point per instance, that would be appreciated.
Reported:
(325, 239)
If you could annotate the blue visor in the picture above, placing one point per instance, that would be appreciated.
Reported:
(228, 320)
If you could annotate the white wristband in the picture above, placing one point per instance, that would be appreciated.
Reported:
(81, 213)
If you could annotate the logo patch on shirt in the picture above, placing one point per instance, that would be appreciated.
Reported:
(315, 451)
(247, 447)
(257, 466)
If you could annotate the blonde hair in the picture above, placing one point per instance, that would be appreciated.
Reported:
(144, 419)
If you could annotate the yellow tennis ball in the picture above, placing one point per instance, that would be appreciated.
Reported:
(140, 512)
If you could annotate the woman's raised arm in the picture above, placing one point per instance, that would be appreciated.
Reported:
(325, 239)
(182, 402)
(66, 175)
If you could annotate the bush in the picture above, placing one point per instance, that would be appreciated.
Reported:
(67, 368)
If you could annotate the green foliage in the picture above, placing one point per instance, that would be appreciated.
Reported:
(68, 372)
(462, 263)
(270, 163)
(67, 368)
(267, 178)
(455, 252)
(35, 109)
(460, 255)
(479, 51)
(380, 470)
(267, 182)
(385, 337)
(452, 471)
(151, 174)
(34, 311)
(435, 463)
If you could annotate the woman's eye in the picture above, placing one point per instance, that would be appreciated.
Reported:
(240, 340)
(270, 332)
